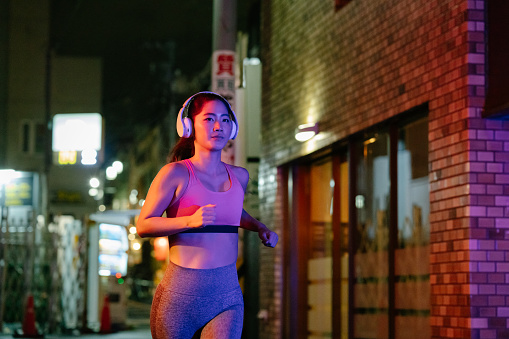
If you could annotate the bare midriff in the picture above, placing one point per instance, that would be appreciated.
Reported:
(205, 250)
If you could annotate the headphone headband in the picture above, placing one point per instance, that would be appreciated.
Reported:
(184, 123)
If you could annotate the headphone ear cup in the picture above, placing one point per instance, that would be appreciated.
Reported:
(235, 126)
(187, 125)
(233, 134)
(184, 126)
(179, 124)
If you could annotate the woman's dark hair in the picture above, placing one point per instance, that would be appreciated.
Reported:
(184, 148)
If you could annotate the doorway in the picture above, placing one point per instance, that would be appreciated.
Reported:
(317, 299)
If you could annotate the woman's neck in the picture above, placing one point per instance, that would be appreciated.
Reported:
(206, 160)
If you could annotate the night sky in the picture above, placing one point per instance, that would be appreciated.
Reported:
(133, 37)
(113, 28)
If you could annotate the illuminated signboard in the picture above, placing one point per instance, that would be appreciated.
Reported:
(19, 191)
(67, 157)
(113, 246)
(77, 138)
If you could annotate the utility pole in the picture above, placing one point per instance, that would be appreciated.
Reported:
(224, 33)
(4, 42)
(225, 25)
(223, 82)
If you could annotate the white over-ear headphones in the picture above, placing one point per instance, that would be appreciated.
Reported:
(185, 124)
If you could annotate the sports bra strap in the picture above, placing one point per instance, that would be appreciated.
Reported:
(189, 166)
(231, 175)
(214, 229)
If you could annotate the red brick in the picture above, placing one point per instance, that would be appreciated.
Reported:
(468, 155)
(485, 134)
(502, 156)
(487, 311)
(495, 212)
(502, 135)
(497, 256)
(502, 222)
(502, 289)
(496, 300)
(503, 245)
(494, 146)
(502, 267)
(502, 178)
(495, 168)
(486, 222)
(494, 189)
(487, 267)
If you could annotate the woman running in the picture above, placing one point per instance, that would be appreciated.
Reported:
(202, 196)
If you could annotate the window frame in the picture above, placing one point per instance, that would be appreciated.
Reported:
(338, 4)
(28, 137)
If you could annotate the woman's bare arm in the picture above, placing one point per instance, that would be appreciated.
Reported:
(170, 179)
(268, 237)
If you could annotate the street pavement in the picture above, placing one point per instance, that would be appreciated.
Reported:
(138, 327)
(143, 333)
(140, 333)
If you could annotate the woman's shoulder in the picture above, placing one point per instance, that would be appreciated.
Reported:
(174, 170)
(241, 173)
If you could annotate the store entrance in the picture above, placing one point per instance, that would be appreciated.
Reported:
(317, 236)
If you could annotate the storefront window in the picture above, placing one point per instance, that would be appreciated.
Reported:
(320, 257)
(343, 248)
(412, 288)
(371, 246)
(361, 264)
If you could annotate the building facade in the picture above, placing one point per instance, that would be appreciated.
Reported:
(37, 84)
(393, 217)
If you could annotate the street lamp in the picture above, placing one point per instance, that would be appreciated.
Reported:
(115, 169)
(118, 166)
(111, 173)
(94, 182)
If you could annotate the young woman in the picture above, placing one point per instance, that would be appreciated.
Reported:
(203, 199)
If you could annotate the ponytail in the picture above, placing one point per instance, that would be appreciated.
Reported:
(183, 149)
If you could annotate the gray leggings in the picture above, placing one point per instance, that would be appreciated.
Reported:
(197, 303)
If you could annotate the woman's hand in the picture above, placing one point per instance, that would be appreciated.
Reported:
(268, 237)
(205, 215)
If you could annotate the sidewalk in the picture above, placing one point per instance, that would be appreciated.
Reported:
(142, 333)
(138, 326)
(136, 333)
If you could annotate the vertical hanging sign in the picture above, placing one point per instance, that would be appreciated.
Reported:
(223, 74)
(223, 83)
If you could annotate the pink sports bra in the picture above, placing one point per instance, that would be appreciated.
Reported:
(229, 203)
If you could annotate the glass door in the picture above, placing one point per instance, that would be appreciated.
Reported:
(412, 288)
(341, 292)
(343, 248)
(319, 263)
(372, 200)
(316, 238)
(327, 262)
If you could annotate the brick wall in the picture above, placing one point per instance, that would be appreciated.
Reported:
(369, 61)
(489, 222)
(270, 259)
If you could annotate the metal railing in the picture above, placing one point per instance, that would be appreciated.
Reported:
(28, 266)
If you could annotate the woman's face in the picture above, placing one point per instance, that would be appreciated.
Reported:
(212, 125)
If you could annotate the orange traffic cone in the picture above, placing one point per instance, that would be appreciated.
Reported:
(105, 316)
(29, 329)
